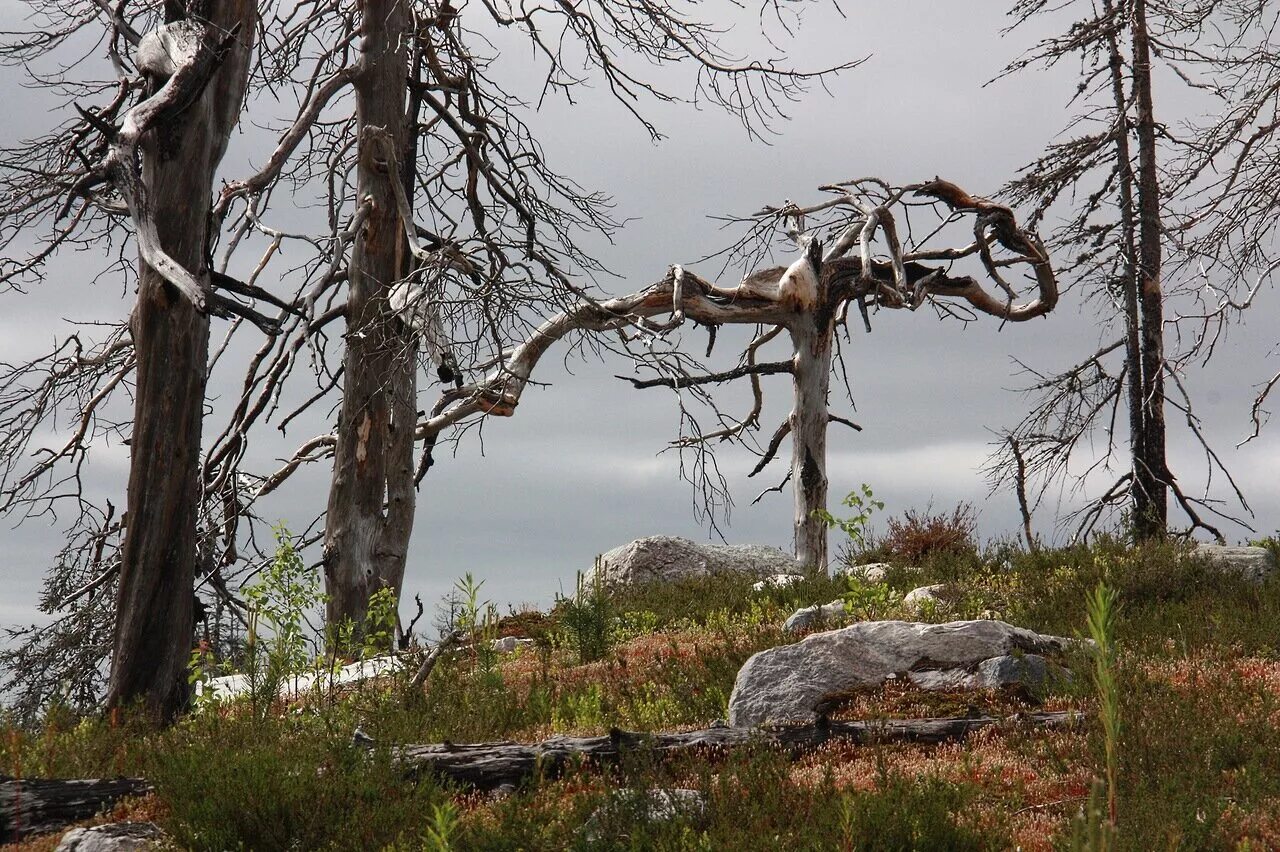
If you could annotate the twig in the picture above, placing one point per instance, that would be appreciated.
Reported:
(433, 656)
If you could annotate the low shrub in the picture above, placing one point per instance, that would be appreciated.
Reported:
(917, 535)
(283, 783)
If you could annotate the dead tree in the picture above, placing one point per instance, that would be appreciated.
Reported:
(148, 156)
(372, 498)
(455, 239)
(489, 766)
(198, 65)
(1123, 187)
(866, 259)
(431, 223)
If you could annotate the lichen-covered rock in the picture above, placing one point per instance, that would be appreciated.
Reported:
(926, 599)
(872, 572)
(943, 680)
(511, 644)
(776, 581)
(803, 619)
(791, 683)
(1030, 670)
(116, 837)
(650, 805)
(1254, 564)
(666, 558)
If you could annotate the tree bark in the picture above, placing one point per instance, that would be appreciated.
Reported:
(372, 499)
(41, 805)
(1151, 475)
(812, 337)
(1135, 375)
(486, 766)
(171, 340)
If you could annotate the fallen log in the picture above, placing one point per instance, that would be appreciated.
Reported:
(39, 805)
(488, 766)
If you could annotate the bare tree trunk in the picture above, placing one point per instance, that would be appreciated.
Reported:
(1151, 476)
(1135, 375)
(812, 337)
(371, 501)
(171, 338)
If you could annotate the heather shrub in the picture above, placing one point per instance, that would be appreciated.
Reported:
(920, 534)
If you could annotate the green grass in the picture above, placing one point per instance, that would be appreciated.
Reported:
(1197, 680)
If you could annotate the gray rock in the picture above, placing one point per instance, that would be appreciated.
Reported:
(116, 837)
(1029, 670)
(789, 683)
(872, 572)
(803, 619)
(511, 644)
(936, 680)
(1254, 564)
(665, 558)
(359, 739)
(926, 598)
(777, 581)
(655, 805)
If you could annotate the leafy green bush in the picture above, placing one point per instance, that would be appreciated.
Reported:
(381, 619)
(287, 592)
(863, 504)
(866, 600)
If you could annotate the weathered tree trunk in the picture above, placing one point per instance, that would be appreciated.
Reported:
(487, 766)
(1134, 375)
(371, 500)
(1151, 475)
(41, 805)
(171, 340)
(812, 337)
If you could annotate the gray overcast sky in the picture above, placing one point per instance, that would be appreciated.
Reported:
(577, 471)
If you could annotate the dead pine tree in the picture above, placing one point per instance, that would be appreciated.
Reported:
(372, 495)
(403, 213)
(197, 63)
(852, 252)
(1141, 220)
(147, 157)
(456, 236)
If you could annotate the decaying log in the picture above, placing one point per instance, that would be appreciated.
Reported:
(487, 766)
(40, 805)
